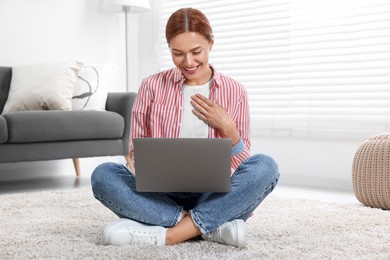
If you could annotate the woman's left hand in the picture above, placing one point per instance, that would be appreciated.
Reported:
(213, 114)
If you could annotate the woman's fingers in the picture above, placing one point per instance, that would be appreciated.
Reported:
(204, 99)
(200, 103)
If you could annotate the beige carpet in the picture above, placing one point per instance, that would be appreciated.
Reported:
(68, 224)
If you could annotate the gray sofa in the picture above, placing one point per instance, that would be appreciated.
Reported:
(55, 134)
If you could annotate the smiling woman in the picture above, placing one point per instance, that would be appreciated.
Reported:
(190, 45)
(191, 100)
(190, 53)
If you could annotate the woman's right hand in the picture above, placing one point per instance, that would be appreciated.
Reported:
(213, 114)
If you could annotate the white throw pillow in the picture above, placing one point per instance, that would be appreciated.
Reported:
(42, 86)
(91, 89)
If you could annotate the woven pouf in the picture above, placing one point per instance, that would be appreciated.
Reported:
(371, 172)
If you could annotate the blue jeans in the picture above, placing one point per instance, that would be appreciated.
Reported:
(114, 186)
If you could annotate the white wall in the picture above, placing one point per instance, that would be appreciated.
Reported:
(44, 31)
(311, 161)
(56, 30)
(52, 30)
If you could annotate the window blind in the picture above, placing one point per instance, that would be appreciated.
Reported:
(309, 66)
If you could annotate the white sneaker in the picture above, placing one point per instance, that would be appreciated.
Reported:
(129, 232)
(231, 233)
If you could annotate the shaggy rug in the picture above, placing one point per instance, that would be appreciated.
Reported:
(68, 224)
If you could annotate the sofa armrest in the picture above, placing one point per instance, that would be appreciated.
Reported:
(5, 83)
(122, 104)
(3, 130)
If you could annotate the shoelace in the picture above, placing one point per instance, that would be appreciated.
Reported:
(215, 236)
(143, 237)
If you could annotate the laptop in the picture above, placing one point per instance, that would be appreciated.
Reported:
(182, 164)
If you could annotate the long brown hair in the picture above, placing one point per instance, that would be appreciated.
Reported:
(188, 20)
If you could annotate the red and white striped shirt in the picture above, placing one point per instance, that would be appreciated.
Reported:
(158, 109)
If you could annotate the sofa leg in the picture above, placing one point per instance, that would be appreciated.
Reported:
(76, 164)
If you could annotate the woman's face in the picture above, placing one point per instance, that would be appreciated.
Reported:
(190, 54)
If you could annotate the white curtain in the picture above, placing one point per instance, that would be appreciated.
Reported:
(311, 67)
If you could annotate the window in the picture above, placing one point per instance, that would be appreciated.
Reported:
(311, 67)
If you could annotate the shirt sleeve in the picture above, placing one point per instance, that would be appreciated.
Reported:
(241, 150)
(139, 119)
(238, 147)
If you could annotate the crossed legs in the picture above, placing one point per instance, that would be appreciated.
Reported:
(114, 185)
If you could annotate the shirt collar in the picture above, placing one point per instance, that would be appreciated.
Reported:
(179, 78)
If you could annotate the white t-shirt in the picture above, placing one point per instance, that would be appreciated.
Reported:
(192, 126)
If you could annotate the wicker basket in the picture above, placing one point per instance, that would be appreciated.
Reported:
(371, 172)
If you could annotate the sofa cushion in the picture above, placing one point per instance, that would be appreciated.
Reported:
(91, 89)
(3, 130)
(47, 126)
(42, 87)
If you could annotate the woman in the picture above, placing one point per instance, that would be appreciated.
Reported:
(190, 100)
